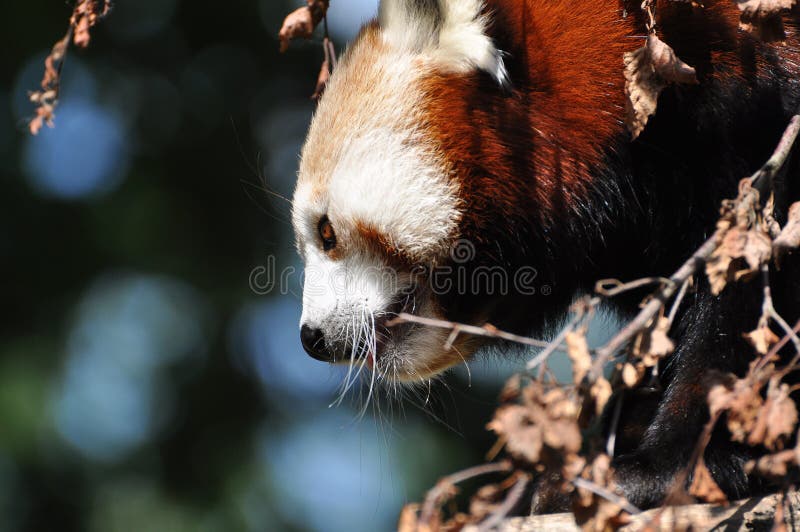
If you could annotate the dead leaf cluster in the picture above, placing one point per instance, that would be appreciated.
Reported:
(752, 419)
(743, 240)
(541, 429)
(653, 344)
(84, 16)
(300, 24)
(739, 256)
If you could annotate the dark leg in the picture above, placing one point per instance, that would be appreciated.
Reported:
(708, 339)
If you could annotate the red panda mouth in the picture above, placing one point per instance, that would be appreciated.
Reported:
(384, 333)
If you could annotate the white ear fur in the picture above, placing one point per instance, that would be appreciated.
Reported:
(451, 32)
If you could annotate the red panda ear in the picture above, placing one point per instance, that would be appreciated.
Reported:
(452, 33)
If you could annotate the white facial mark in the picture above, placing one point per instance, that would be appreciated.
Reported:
(393, 184)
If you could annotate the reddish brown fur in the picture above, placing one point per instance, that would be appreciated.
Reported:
(379, 244)
(544, 141)
(574, 84)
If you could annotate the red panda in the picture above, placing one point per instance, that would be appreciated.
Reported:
(498, 126)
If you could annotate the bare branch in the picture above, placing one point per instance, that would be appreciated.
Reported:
(762, 179)
(458, 328)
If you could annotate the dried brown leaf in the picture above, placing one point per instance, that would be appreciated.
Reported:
(653, 343)
(717, 273)
(44, 115)
(739, 256)
(789, 238)
(562, 435)
(52, 62)
(511, 389)
(300, 23)
(741, 399)
(46, 99)
(523, 438)
(668, 65)
(632, 374)
(719, 399)
(409, 519)
(704, 487)
(85, 15)
(762, 339)
(545, 421)
(777, 418)
(648, 70)
(578, 351)
(557, 403)
(743, 410)
(763, 19)
(600, 393)
(772, 465)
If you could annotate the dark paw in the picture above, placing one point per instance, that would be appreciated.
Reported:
(644, 480)
(646, 477)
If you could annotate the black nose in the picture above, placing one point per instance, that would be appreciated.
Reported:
(313, 341)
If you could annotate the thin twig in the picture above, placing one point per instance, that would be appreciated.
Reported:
(678, 300)
(486, 331)
(768, 310)
(511, 500)
(606, 494)
(778, 346)
(653, 307)
(441, 487)
(620, 287)
(766, 173)
(611, 443)
(555, 344)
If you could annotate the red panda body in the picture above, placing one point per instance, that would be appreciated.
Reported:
(518, 144)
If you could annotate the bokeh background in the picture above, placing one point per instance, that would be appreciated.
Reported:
(143, 384)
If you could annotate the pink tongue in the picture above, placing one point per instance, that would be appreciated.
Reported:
(370, 360)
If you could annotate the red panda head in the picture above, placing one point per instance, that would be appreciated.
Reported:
(421, 150)
(378, 203)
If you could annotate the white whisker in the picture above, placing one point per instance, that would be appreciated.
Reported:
(466, 365)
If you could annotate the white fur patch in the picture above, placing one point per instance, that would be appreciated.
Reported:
(389, 180)
(451, 32)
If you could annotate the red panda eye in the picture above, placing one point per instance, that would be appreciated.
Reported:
(326, 234)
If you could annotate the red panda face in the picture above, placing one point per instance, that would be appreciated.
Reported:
(377, 202)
